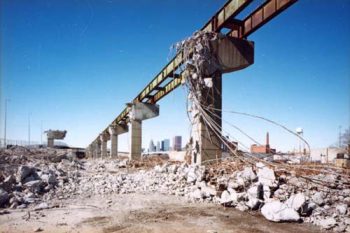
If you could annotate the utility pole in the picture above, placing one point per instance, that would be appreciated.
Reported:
(41, 132)
(5, 127)
(29, 129)
(339, 137)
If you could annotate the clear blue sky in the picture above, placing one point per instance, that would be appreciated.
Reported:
(74, 64)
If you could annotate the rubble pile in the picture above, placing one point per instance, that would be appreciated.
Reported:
(29, 176)
(40, 184)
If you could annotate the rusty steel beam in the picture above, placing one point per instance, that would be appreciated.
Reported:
(224, 18)
(262, 15)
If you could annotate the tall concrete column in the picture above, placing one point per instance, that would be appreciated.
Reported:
(103, 139)
(91, 151)
(206, 142)
(113, 131)
(97, 153)
(135, 139)
(138, 113)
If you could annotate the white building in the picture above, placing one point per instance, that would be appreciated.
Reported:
(325, 155)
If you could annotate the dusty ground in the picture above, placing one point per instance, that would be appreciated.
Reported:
(142, 213)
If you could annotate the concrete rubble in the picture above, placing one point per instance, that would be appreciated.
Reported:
(38, 182)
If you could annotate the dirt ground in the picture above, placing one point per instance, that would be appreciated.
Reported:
(142, 213)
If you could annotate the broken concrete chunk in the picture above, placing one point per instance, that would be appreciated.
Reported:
(307, 208)
(35, 186)
(197, 194)
(25, 172)
(41, 206)
(8, 183)
(247, 175)
(318, 198)
(296, 201)
(254, 203)
(256, 191)
(49, 178)
(208, 191)
(266, 176)
(225, 197)
(266, 192)
(173, 168)
(327, 223)
(277, 211)
(342, 209)
(4, 198)
(122, 163)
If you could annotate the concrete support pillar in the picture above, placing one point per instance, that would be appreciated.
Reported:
(206, 142)
(114, 131)
(114, 141)
(97, 153)
(103, 139)
(50, 142)
(138, 113)
(91, 151)
(135, 139)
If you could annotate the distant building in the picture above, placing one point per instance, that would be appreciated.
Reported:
(158, 146)
(326, 155)
(177, 143)
(165, 146)
(263, 149)
(151, 147)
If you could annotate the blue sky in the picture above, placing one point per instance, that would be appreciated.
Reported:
(74, 64)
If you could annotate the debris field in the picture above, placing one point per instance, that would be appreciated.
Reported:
(39, 179)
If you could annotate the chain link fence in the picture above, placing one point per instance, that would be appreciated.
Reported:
(11, 142)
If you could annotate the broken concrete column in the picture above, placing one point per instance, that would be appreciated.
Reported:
(50, 142)
(104, 138)
(206, 143)
(114, 131)
(228, 54)
(138, 113)
(54, 134)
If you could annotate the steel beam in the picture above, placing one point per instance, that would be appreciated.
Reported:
(259, 17)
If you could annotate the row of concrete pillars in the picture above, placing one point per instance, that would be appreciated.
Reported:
(233, 54)
(138, 113)
(206, 144)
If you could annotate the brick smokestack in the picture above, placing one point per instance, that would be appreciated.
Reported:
(268, 143)
(267, 139)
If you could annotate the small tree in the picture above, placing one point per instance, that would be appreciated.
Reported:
(345, 138)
